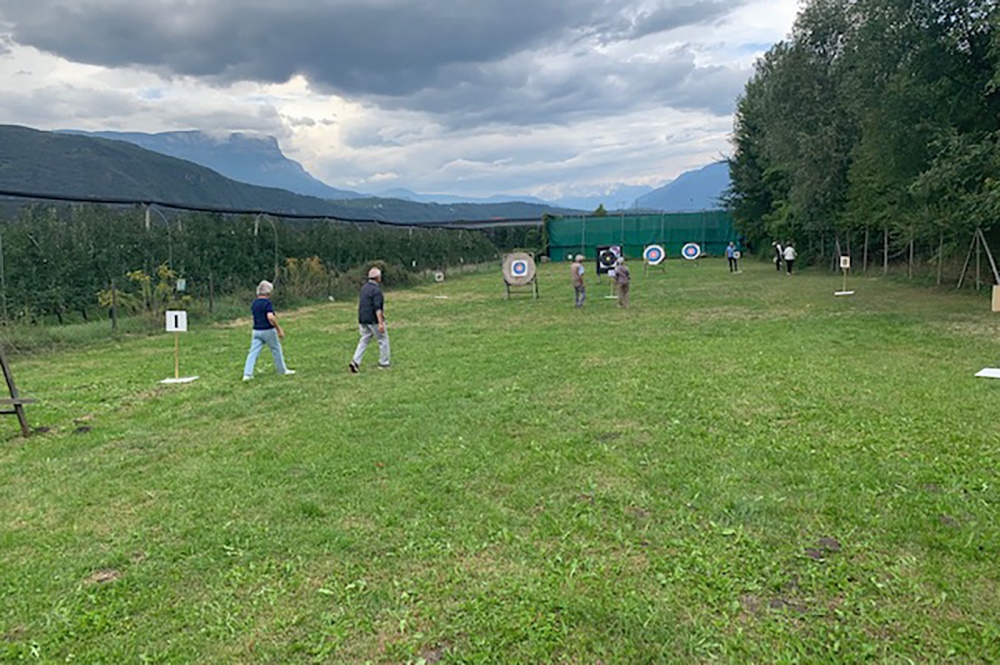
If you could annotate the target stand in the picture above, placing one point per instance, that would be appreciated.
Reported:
(607, 258)
(654, 256)
(15, 402)
(177, 323)
(845, 267)
(519, 272)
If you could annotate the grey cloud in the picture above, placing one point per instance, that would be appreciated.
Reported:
(390, 48)
(594, 87)
(67, 106)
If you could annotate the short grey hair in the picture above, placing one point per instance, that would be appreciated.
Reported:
(264, 288)
(374, 273)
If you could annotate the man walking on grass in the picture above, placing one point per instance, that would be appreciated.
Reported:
(371, 321)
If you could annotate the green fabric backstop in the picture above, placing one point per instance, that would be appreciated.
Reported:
(568, 236)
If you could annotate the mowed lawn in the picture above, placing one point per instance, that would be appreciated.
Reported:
(740, 468)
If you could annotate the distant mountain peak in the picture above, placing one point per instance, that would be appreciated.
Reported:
(701, 189)
(255, 159)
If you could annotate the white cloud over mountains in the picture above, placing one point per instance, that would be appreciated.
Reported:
(471, 97)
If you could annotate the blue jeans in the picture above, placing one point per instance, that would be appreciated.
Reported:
(257, 342)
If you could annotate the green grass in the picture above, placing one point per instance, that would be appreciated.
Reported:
(740, 468)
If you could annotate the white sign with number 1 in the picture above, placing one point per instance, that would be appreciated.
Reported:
(177, 320)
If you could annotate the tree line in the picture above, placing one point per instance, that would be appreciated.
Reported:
(72, 262)
(876, 125)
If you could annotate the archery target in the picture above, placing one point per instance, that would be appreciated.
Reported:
(654, 255)
(607, 256)
(691, 251)
(518, 269)
(737, 254)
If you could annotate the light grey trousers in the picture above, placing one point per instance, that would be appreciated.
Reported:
(369, 330)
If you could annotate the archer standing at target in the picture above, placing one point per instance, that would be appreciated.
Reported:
(371, 321)
(731, 257)
(623, 279)
(576, 276)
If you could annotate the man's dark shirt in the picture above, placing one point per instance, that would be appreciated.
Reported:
(370, 302)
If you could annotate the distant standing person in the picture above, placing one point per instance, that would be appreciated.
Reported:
(623, 279)
(789, 256)
(731, 257)
(576, 275)
(778, 249)
(371, 321)
(266, 332)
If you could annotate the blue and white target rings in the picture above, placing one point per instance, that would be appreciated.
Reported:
(654, 255)
(518, 268)
(691, 251)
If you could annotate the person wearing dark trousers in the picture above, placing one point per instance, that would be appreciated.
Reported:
(371, 321)
(789, 255)
(731, 257)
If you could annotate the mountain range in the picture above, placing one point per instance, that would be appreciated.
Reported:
(89, 167)
(258, 160)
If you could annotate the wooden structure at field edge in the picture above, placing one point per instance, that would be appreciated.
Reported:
(16, 402)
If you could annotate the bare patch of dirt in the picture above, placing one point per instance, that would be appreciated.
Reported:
(15, 633)
(637, 513)
(948, 520)
(829, 544)
(779, 603)
(103, 576)
(435, 654)
(83, 429)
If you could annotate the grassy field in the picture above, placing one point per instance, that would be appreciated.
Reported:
(739, 468)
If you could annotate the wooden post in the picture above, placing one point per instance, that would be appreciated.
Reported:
(211, 293)
(885, 252)
(909, 261)
(979, 251)
(16, 401)
(177, 355)
(940, 260)
(864, 260)
(114, 306)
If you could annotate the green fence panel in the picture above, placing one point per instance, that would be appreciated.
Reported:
(568, 236)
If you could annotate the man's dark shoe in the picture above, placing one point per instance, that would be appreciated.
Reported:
(354, 367)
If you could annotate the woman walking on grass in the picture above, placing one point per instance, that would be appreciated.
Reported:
(266, 332)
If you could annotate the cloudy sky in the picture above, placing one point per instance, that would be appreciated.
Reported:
(469, 97)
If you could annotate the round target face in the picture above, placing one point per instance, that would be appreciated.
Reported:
(736, 255)
(691, 251)
(607, 258)
(518, 269)
(654, 254)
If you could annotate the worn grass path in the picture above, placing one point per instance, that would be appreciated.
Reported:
(740, 468)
